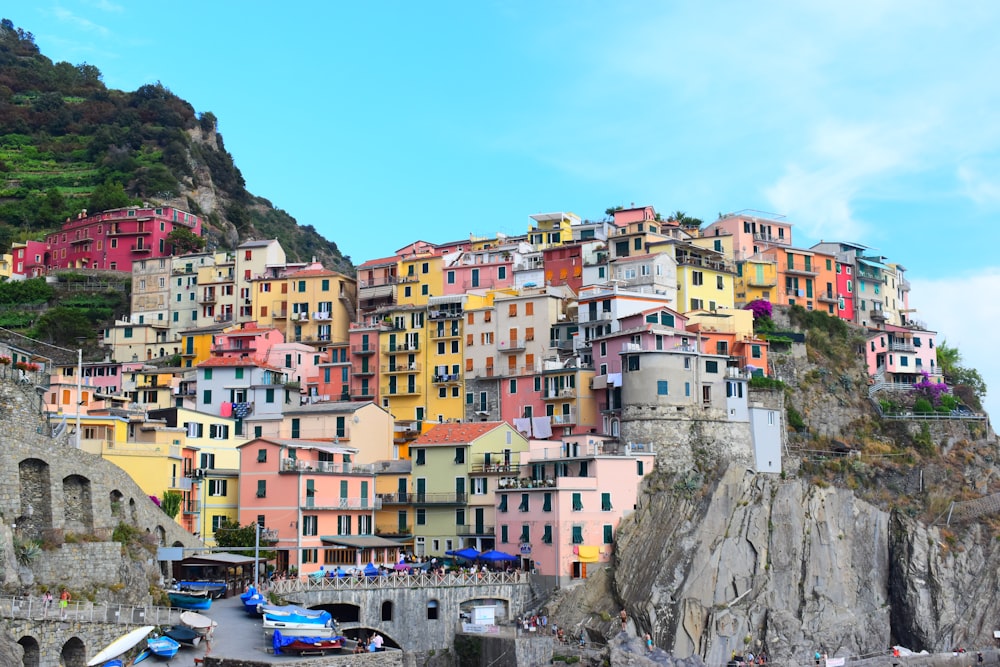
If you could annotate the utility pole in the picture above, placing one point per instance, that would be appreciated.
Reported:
(256, 554)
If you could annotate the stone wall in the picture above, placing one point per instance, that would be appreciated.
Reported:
(683, 437)
(62, 643)
(388, 658)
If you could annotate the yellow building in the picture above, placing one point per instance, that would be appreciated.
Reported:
(321, 306)
(196, 344)
(392, 486)
(705, 278)
(757, 278)
(551, 229)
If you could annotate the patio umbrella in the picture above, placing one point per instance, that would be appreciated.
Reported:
(494, 556)
(371, 570)
(468, 553)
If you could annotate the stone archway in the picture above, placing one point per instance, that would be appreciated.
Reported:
(117, 509)
(342, 612)
(362, 632)
(161, 536)
(36, 497)
(32, 654)
(78, 507)
(133, 511)
(74, 653)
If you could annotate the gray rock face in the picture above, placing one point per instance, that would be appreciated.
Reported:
(761, 564)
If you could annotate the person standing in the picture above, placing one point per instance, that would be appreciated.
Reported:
(63, 604)
(649, 642)
(623, 615)
(46, 604)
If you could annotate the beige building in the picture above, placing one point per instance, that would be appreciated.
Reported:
(366, 427)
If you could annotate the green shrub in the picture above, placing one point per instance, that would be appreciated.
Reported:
(795, 419)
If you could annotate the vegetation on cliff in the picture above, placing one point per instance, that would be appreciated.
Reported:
(68, 143)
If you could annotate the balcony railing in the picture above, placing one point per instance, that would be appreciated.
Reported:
(401, 368)
(496, 468)
(768, 238)
(555, 394)
(364, 349)
(452, 332)
(827, 297)
(298, 465)
(511, 346)
(565, 419)
(878, 315)
(440, 498)
(902, 347)
(192, 507)
(322, 502)
(397, 498)
(444, 314)
(446, 378)
(475, 529)
(411, 346)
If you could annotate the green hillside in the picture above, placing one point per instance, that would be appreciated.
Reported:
(67, 142)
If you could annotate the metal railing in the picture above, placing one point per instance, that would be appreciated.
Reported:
(399, 579)
(32, 608)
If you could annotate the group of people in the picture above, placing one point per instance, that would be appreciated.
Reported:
(47, 600)
(369, 645)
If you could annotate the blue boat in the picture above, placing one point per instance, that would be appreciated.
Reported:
(249, 593)
(163, 647)
(142, 656)
(251, 604)
(189, 601)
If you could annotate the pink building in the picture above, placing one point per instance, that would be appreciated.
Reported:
(899, 355)
(320, 504)
(751, 233)
(550, 403)
(28, 259)
(564, 266)
(247, 341)
(489, 268)
(364, 358)
(112, 240)
(562, 513)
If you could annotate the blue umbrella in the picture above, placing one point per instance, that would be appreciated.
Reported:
(371, 570)
(493, 556)
(468, 553)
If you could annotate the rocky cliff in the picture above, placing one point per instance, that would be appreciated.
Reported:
(787, 567)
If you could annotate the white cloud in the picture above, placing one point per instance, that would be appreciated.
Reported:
(964, 311)
(79, 22)
(106, 6)
(978, 187)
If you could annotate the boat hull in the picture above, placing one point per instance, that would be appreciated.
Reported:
(120, 645)
(163, 648)
(185, 601)
(197, 622)
(299, 629)
(183, 635)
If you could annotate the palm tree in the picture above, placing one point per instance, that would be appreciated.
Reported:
(684, 220)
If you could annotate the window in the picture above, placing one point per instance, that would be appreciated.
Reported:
(460, 516)
(525, 533)
(217, 487)
(421, 457)
(421, 516)
(577, 534)
(661, 387)
(310, 524)
(711, 366)
(697, 278)
(503, 534)
(639, 468)
(432, 605)
(720, 282)
(206, 396)
(577, 502)
(605, 502)
(310, 555)
(547, 502)
(296, 428)
(460, 455)
(632, 362)
(261, 488)
(547, 534)
(525, 505)
(479, 486)
(261, 456)
(502, 507)
(608, 534)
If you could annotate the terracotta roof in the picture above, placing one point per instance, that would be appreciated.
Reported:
(461, 433)
(380, 261)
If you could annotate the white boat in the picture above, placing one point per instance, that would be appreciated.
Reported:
(197, 622)
(120, 645)
(292, 629)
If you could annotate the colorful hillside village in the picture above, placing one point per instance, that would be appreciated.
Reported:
(506, 392)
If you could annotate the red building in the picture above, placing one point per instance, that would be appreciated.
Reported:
(112, 240)
(28, 259)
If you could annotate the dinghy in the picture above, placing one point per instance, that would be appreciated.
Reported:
(163, 647)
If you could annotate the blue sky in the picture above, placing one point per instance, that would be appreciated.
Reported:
(379, 123)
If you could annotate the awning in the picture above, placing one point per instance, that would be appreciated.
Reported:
(871, 262)
(588, 554)
(361, 541)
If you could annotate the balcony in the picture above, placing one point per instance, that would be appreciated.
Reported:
(475, 529)
(447, 378)
(394, 531)
(395, 498)
(208, 297)
(401, 368)
(140, 248)
(478, 284)
(453, 332)
(411, 346)
(364, 371)
(878, 315)
(363, 349)
(496, 468)
(768, 238)
(557, 394)
(400, 391)
(565, 419)
(870, 276)
(322, 316)
(511, 346)
(827, 297)
(329, 467)
(335, 503)
(127, 232)
(440, 498)
(800, 271)
(246, 347)
(444, 314)
(762, 281)
(366, 396)
(902, 347)
(192, 507)
(279, 314)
